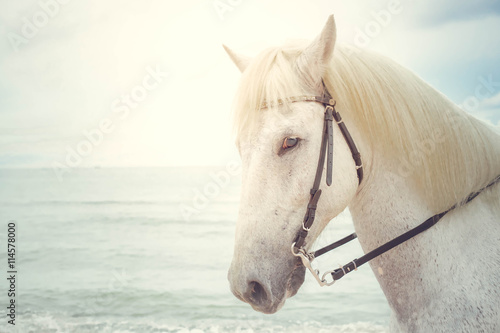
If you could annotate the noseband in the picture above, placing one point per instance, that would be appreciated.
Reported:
(326, 151)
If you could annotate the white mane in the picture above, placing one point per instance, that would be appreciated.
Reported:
(396, 111)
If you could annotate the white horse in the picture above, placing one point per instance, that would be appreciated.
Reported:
(421, 155)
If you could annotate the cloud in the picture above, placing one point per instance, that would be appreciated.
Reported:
(434, 13)
(489, 109)
(491, 116)
(492, 103)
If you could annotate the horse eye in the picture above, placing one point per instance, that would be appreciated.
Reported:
(289, 143)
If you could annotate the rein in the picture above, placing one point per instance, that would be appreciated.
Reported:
(326, 151)
(338, 273)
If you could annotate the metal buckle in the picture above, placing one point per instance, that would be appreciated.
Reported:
(306, 261)
(304, 227)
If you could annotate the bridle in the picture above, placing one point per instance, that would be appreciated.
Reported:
(326, 151)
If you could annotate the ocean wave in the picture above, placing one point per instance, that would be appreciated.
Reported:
(86, 202)
(174, 201)
(55, 323)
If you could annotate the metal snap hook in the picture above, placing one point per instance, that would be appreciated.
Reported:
(306, 261)
(325, 280)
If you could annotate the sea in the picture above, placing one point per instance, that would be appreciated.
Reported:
(147, 250)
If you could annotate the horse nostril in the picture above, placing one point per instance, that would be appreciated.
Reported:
(256, 293)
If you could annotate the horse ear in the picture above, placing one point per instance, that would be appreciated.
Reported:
(316, 57)
(240, 61)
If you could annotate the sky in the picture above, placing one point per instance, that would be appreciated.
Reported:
(147, 83)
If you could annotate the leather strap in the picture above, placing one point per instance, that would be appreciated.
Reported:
(321, 160)
(326, 149)
(315, 191)
(329, 133)
(353, 265)
(328, 101)
(352, 146)
(334, 245)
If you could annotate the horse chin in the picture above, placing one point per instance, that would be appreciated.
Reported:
(295, 280)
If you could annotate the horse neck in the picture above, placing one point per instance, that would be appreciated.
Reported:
(387, 205)
(383, 209)
(388, 202)
(443, 265)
